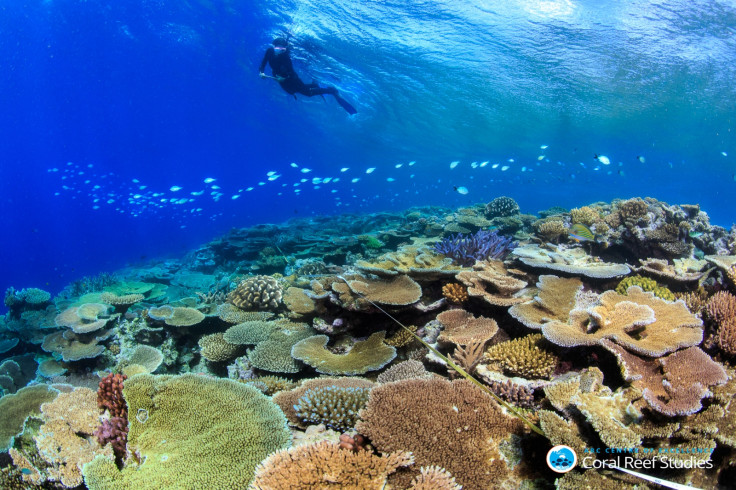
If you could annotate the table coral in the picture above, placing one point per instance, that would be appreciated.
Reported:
(404, 370)
(198, 432)
(461, 327)
(419, 261)
(451, 424)
(491, 281)
(275, 353)
(554, 301)
(215, 348)
(324, 465)
(232, 314)
(400, 290)
(638, 321)
(184, 317)
(365, 355)
(14, 409)
(568, 260)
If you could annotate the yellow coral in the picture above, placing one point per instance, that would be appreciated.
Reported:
(584, 215)
(523, 357)
(455, 293)
(401, 338)
(216, 349)
(646, 284)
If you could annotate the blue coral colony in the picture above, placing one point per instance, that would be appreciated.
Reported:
(269, 352)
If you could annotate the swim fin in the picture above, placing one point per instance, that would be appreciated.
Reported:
(345, 105)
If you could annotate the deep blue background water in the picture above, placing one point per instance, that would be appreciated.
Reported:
(167, 93)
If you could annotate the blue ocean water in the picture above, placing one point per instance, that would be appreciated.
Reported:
(107, 107)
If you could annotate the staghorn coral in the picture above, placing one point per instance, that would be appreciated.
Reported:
(645, 284)
(288, 399)
(554, 301)
(491, 281)
(466, 250)
(501, 207)
(401, 337)
(365, 355)
(324, 465)
(525, 357)
(215, 348)
(462, 328)
(584, 215)
(334, 406)
(257, 293)
(454, 425)
(467, 356)
(638, 321)
(455, 293)
(193, 432)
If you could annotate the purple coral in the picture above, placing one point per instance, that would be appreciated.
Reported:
(115, 432)
(465, 250)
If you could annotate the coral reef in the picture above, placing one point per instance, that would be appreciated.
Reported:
(16, 407)
(462, 328)
(645, 284)
(568, 260)
(215, 348)
(491, 281)
(455, 293)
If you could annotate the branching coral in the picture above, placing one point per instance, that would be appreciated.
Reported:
(324, 465)
(334, 406)
(451, 424)
(646, 284)
(455, 293)
(466, 250)
(525, 357)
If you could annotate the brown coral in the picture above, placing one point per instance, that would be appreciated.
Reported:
(451, 424)
(555, 300)
(257, 293)
(720, 307)
(324, 465)
(525, 357)
(638, 321)
(400, 290)
(727, 336)
(632, 209)
(584, 215)
(455, 293)
(461, 327)
(551, 230)
(490, 281)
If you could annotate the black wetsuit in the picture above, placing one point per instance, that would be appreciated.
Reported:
(281, 67)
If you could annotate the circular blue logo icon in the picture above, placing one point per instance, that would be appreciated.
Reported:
(561, 459)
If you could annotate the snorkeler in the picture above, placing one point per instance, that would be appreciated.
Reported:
(278, 58)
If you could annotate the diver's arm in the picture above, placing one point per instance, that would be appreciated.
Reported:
(266, 57)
